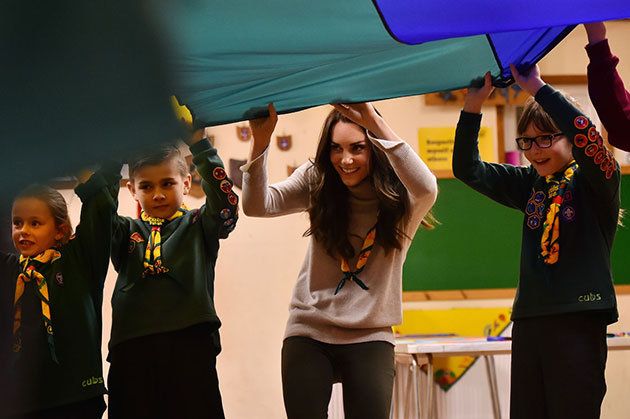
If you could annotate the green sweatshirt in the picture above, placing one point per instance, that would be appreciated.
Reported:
(30, 379)
(184, 296)
(581, 280)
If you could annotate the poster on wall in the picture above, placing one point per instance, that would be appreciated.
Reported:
(436, 146)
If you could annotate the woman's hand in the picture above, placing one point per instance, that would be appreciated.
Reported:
(476, 96)
(262, 129)
(364, 115)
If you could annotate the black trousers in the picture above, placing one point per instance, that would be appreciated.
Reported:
(167, 375)
(309, 369)
(85, 409)
(558, 365)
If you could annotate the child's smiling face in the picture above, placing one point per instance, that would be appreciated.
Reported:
(33, 227)
(548, 161)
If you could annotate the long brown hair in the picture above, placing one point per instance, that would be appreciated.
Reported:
(329, 210)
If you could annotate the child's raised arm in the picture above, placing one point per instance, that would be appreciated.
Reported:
(605, 87)
(221, 208)
(99, 197)
(508, 185)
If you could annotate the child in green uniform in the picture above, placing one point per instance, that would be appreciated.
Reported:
(165, 339)
(50, 302)
(570, 200)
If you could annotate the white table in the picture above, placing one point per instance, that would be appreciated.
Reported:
(423, 350)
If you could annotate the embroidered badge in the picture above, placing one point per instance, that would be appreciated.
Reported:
(530, 208)
(219, 173)
(533, 222)
(136, 237)
(580, 122)
(225, 186)
(225, 213)
(599, 157)
(568, 196)
(232, 199)
(600, 141)
(580, 140)
(133, 239)
(535, 209)
(568, 213)
(591, 150)
(59, 279)
(592, 134)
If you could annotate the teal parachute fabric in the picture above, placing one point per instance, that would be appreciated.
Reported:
(81, 83)
(232, 58)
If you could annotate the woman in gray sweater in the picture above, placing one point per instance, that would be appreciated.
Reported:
(366, 193)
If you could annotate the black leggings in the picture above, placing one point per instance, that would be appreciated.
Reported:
(558, 366)
(309, 369)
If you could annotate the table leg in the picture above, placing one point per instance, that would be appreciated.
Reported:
(494, 387)
(430, 395)
(414, 370)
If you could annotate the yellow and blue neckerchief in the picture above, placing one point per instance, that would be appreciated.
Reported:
(153, 253)
(31, 267)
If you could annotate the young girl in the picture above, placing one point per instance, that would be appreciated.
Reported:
(366, 193)
(605, 87)
(565, 297)
(50, 354)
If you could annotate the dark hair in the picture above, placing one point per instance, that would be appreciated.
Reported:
(55, 202)
(159, 155)
(533, 113)
(329, 210)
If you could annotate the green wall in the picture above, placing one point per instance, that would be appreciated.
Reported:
(478, 244)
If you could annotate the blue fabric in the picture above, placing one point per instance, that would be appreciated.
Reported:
(524, 48)
(231, 59)
(417, 21)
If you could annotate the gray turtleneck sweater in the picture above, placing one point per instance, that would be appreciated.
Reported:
(354, 314)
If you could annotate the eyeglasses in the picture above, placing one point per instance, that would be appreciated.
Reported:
(542, 141)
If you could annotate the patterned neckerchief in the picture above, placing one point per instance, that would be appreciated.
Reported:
(31, 267)
(366, 250)
(549, 242)
(153, 253)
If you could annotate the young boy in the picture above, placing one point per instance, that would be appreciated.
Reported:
(570, 200)
(165, 339)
